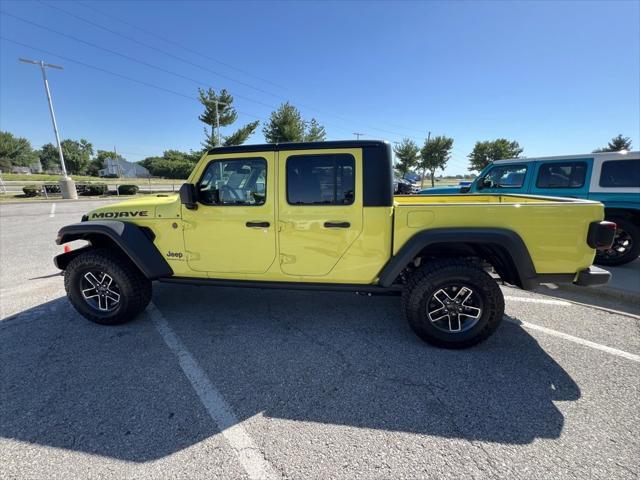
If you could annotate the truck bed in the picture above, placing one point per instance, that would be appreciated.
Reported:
(555, 228)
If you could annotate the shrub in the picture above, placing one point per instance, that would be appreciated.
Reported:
(51, 187)
(31, 190)
(94, 189)
(127, 189)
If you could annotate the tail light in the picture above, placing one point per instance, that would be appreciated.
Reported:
(601, 235)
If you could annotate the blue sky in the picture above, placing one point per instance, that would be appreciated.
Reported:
(559, 77)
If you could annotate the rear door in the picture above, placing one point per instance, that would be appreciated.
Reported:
(562, 178)
(319, 208)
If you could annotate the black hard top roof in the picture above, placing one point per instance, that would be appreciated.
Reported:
(299, 146)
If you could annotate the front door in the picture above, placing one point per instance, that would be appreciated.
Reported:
(508, 179)
(233, 228)
(319, 208)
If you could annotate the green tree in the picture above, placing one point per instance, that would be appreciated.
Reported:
(407, 153)
(172, 164)
(287, 125)
(315, 132)
(16, 151)
(616, 144)
(486, 152)
(434, 155)
(240, 136)
(77, 156)
(49, 158)
(227, 115)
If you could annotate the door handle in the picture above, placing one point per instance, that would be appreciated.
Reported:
(257, 224)
(337, 224)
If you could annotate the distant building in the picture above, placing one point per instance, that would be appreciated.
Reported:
(36, 166)
(122, 169)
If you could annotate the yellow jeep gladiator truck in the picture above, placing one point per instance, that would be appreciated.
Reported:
(323, 216)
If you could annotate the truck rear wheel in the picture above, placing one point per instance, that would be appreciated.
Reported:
(106, 287)
(626, 244)
(452, 303)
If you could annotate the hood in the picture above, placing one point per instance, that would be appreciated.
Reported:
(165, 206)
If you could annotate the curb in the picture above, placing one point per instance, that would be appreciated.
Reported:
(605, 292)
(60, 200)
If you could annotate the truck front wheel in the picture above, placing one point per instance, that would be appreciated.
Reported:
(452, 303)
(105, 287)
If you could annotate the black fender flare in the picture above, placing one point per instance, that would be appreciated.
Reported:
(507, 239)
(130, 239)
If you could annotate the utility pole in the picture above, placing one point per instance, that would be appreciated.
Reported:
(358, 135)
(67, 185)
(424, 170)
(218, 120)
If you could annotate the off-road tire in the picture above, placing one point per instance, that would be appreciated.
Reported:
(432, 276)
(633, 230)
(134, 287)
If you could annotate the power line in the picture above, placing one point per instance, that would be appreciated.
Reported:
(159, 68)
(109, 72)
(90, 22)
(100, 69)
(119, 75)
(164, 52)
(125, 56)
(176, 44)
(147, 64)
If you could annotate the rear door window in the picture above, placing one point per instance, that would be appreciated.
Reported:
(562, 175)
(321, 179)
(620, 173)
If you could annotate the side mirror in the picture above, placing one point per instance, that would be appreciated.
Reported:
(188, 196)
(465, 189)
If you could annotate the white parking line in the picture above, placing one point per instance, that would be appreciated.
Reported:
(219, 410)
(578, 340)
(53, 210)
(537, 300)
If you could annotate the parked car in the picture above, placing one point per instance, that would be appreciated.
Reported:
(322, 216)
(612, 178)
(402, 187)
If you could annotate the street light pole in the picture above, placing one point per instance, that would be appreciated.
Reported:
(67, 185)
(358, 135)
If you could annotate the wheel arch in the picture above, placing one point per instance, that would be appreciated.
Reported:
(502, 248)
(619, 212)
(134, 242)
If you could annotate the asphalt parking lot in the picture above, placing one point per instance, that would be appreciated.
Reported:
(244, 383)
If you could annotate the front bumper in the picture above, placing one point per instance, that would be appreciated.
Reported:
(592, 276)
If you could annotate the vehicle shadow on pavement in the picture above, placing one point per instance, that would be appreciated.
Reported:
(328, 358)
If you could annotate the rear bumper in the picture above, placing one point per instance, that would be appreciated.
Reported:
(592, 276)
(589, 277)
